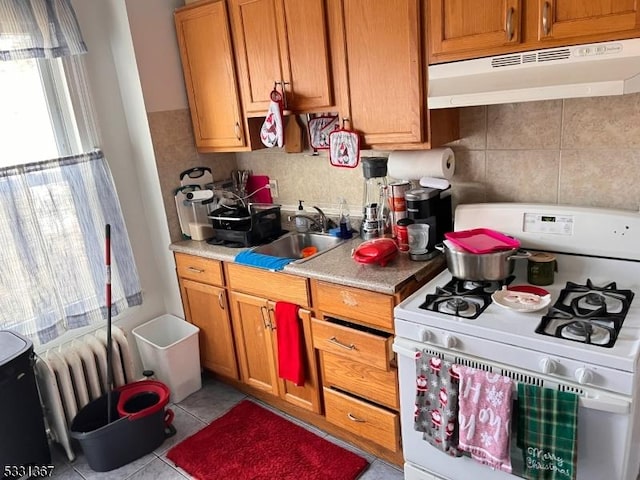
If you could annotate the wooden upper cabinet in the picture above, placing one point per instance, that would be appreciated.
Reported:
(283, 42)
(384, 69)
(571, 19)
(470, 25)
(210, 78)
(463, 29)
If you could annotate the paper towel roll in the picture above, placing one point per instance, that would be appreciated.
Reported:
(415, 164)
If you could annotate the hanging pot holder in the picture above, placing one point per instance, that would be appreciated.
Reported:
(271, 133)
(319, 130)
(344, 148)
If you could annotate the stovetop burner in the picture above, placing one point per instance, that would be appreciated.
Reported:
(463, 298)
(587, 314)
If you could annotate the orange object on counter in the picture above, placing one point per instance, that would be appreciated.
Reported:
(308, 251)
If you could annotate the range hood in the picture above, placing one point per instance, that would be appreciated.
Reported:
(596, 69)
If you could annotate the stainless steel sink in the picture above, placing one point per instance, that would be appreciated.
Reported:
(291, 245)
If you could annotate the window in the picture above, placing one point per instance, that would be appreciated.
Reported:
(56, 190)
(38, 119)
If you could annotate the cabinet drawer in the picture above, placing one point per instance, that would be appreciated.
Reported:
(369, 307)
(204, 270)
(356, 345)
(363, 419)
(271, 285)
(361, 379)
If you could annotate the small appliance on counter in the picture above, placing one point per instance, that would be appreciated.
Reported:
(378, 250)
(240, 226)
(376, 215)
(431, 206)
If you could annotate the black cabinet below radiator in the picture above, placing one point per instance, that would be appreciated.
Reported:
(23, 439)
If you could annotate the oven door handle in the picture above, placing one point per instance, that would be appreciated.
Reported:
(601, 402)
(406, 352)
(604, 403)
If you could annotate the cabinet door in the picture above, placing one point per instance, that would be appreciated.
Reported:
(306, 396)
(210, 78)
(255, 342)
(282, 41)
(569, 19)
(472, 28)
(383, 55)
(306, 41)
(206, 307)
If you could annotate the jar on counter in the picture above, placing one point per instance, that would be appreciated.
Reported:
(402, 235)
(541, 268)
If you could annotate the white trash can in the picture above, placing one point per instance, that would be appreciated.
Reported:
(169, 346)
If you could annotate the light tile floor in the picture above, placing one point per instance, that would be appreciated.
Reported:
(192, 414)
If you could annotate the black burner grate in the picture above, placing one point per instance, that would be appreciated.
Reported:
(587, 314)
(463, 298)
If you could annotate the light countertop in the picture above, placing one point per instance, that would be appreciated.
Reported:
(335, 266)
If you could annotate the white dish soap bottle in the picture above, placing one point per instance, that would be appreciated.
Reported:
(302, 224)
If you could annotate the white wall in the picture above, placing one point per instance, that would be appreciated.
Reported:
(157, 53)
(116, 87)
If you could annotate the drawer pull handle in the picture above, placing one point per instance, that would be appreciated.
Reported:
(220, 300)
(337, 342)
(353, 418)
(195, 270)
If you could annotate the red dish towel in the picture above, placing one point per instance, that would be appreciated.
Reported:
(289, 336)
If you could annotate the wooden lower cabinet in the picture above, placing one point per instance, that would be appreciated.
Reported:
(206, 307)
(256, 343)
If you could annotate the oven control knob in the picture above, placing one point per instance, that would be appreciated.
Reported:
(449, 341)
(583, 375)
(547, 365)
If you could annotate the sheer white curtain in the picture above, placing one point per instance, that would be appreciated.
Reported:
(53, 211)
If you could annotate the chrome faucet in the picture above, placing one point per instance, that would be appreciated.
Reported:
(326, 223)
(314, 221)
(322, 223)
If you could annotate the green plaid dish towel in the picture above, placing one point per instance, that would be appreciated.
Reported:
(547, 432)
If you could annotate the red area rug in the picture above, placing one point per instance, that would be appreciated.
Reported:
(252, 443)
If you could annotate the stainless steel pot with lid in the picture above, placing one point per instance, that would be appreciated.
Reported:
(480, 266)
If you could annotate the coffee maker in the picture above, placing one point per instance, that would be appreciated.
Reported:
(433, 207)
(376, 215)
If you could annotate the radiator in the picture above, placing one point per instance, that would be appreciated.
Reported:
(73, 374)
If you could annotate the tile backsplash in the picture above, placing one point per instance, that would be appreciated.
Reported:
(577, 151)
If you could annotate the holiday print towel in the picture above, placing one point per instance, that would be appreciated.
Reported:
(436, 408)
(272, 133)
(485, 417)
(547, 432)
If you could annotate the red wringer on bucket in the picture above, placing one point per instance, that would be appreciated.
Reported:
(127, 422)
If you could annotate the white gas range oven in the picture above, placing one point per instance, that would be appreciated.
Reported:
(598, 261)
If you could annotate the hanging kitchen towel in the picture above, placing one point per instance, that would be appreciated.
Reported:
(344, 148)
(247, 257)
(485, 417)
(290, 346)
(271, 133)
(547, 432)
(320, 128)
(436, 407)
